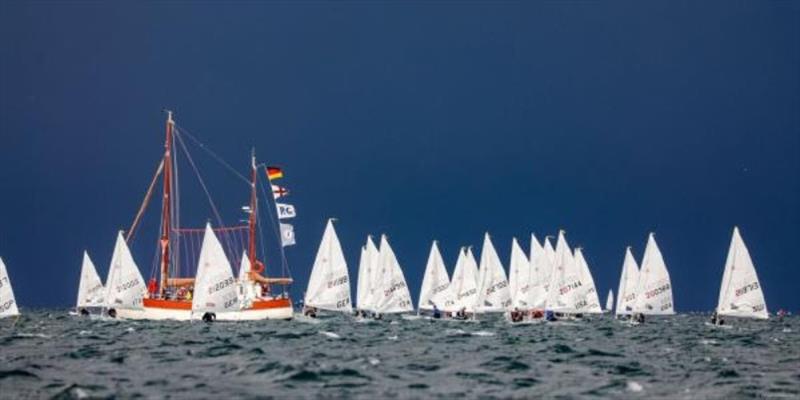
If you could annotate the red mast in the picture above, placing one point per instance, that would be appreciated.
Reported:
(251, 252)
(166, 209)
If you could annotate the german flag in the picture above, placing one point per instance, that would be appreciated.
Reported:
(274, 173)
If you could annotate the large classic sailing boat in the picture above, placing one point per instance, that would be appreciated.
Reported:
(170, 297)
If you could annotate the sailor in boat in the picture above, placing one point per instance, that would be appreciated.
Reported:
(83, 312)
(436, 313)
(781, 315)
(716, 319)
(310, 312)
(638, 318)
(537, 314)
(461, 314)
(550, 316)
(516, 315)
(152, 287)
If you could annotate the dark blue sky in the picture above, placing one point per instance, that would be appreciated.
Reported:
(420, 120)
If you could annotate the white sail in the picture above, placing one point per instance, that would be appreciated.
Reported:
(740, 294)
(519, 277)
(215, 287)
(464, 284)
(374, 292)
(541, 272)
(248, 289)
(654, 291)
(493, 293)
(91, 292)
(395, 297)
(125, 287)
(609, 301)
(435, 288)
(329, 283)
(8, 304)
(550, 252)
(591, 300)
(564, 294)
(363, 280)
(628, 282)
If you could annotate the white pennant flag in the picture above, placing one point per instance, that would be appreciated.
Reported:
(285, 211)
(287, 235)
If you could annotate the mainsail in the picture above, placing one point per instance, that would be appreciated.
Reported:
(329, 283)
(8, 305)
(464, 285)
(740, 294)
(541, 272)
(91, 292)
(564, 294)
(654, 291)
(628, 282)
(493, 293)
(248, 289)
(589, 291)
(394, 295)
(363, 280)
(215, 287)
(519, 277)
(124, 286)
(609, 301)
(435, 290)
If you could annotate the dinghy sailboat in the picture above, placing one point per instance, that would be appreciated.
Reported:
(464, 284)
(519, 277)
(564, 295)
(125, 288)
(740, 294)
(541, 272)
(8, 304)
(590, 298)
(435, 290)
(91, 292)
(368, 283)
(393, 296)
(628, 282)
(654, 290)
(609, 301)
(216, 293)
(168, 296)
(493, 293)
(329, 283)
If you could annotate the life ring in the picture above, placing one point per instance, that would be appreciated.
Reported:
(258, 267)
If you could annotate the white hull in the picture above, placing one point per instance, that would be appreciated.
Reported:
(164, 314)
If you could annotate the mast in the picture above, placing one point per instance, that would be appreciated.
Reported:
(166, 210)
(251, 252)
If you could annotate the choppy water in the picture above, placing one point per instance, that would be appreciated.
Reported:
(48, 353)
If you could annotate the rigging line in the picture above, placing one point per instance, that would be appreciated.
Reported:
(203, 184)
(145, 202)
(213, 155)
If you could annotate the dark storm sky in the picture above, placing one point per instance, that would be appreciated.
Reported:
(424, 121)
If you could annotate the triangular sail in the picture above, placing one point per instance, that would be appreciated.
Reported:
(435, 288)
(628, 282)
(609, 301)
(374, 292)
(590, 296)
(464, 284)
(395, 297)
(125, 287)
(215, 287)
(329, 283)
(740, 293)
(564, 290)
(541, 272)
(493, 293)
(519, 277)
(248, 289)
(8, 304)
(654, 291)
(363, 280)
(91, 292)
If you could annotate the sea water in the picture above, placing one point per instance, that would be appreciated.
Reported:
(48, 353)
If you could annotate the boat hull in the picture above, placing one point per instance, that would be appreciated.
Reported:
(162, 310)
